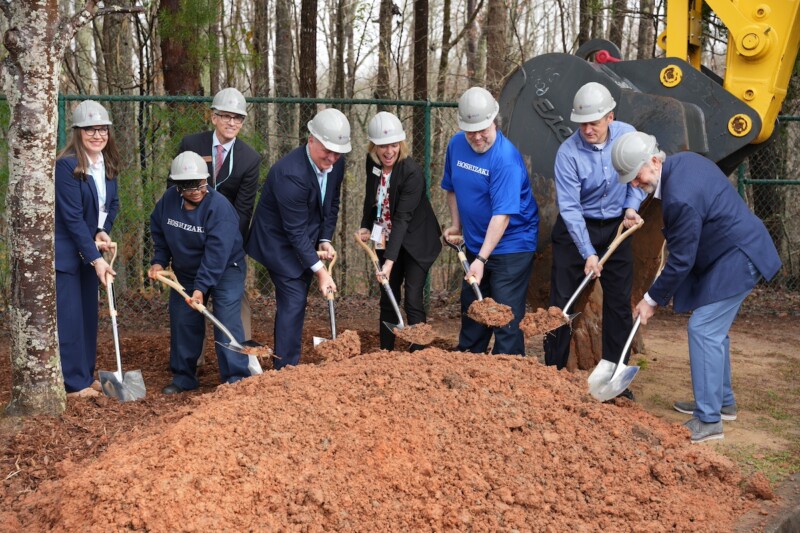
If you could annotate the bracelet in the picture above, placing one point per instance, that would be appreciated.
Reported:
(481, 259)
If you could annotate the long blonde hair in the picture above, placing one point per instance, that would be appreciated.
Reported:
(403, 153)
(75, 148)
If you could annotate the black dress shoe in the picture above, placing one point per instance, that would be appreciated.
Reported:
(172, 389)
(627, 393)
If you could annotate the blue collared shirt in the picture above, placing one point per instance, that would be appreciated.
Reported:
(587, 185)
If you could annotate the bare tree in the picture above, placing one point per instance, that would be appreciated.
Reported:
(497, 65)
(284, 53)
(420, 75)
(308, 61)
(180, 65)
(36, 40)
(382, 87)
(471, 46)
(645, 41)
(617, 26)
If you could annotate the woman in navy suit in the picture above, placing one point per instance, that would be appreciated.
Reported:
(399, 218)
(86, 206)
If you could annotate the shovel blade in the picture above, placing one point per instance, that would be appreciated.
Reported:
(611, 388)
(253, 365)
(391, 326)
(318, 341)
(130, 388)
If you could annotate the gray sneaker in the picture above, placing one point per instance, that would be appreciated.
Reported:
(702, 431)
(728, 411)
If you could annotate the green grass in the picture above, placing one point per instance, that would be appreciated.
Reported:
(776, 465)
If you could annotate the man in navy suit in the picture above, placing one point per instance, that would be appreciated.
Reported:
(295, 217)
(233, 166)
(718, 250)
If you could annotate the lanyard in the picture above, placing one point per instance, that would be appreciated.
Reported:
(381, 191)
(230, 165)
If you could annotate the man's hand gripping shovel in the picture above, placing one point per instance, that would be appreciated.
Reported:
(127, 386)
(331, 311)
(607, 380)
(167, 277)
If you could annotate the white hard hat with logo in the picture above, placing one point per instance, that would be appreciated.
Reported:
(230, 100)
(476, 109)
(592, 102)
(385, 128)
(188, 166)
(90, 113)
(630, 152)
(331, 128)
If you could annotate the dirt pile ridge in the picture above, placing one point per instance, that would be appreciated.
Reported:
(391, 441)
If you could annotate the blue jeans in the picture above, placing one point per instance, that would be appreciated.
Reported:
(187, 330)
(505, 280)
(709, 354)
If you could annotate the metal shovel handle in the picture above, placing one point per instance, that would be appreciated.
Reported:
(462, 257)
(112, 308)
(384, 282)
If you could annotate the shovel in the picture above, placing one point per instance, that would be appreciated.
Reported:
(167, 277)
(385, 284)
(459, 247)
(621, 236)
(128, 386)
(607, 380)
(319, 340)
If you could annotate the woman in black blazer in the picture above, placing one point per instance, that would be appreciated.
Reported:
(399, 218)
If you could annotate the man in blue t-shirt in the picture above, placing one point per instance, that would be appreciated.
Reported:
(491, 203)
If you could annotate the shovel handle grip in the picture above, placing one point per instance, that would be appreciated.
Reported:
(167, 277)
(113, 246)
(370, 252)
(621, 236)
(329, 268)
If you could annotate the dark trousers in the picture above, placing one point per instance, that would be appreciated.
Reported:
(405, 269)
(616, 280)
(187, 330)
(76, 313)
(291, 295)
(505, 280)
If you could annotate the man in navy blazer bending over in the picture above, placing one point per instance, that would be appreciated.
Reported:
(296, 216)
(718, 250)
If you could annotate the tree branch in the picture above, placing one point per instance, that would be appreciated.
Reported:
(467, 25)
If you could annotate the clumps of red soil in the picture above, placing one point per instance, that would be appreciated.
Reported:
(261, 352)
(344, 346)
(490, 313)
(542, 321)
(420, 333)
(394, 441)
(759, 487)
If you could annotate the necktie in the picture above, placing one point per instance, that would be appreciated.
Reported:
(218, 161)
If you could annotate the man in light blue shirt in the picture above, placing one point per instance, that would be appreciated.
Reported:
(591, 204)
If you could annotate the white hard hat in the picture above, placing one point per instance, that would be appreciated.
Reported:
(188, 166)
(592, 102)
(476, 109)
(332, 129)
(90, 113)
(230, 100)
(385, 128)
(630, 152)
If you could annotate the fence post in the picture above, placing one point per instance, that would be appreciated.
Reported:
(62, 123)
(428, 146)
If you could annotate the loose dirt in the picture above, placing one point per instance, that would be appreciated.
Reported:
(345, 345)
(394, 441)
(542, 321)
(490, 313)
(421, 334)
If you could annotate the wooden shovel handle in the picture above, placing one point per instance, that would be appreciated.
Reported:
(167, 277)
(329, 268)
(621, 236)
(113, 246)
(370, 252)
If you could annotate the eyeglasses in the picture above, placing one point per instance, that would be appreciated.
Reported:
(235, 119)
(99, 131)
(199, 188)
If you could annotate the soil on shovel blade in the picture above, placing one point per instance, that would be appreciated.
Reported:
(542, 321)
(343, 346)
(490, 313)
(420, 333)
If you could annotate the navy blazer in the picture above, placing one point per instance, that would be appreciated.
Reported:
(291, 217)
(238, 184)
(414, 224)
(711, 235)
(77, 211)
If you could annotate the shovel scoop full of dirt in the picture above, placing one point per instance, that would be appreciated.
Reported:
(420, 333)
(262, 352)
(346, 345)
(542, 321)
(490, 313)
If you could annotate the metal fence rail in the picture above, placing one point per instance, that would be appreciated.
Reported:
(149, 129)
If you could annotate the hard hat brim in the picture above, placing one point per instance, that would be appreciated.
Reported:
(188, 176)
(631, 175)
(229, 110)
(583, 119)
(389, 140)
(87, 123)
(477, 126)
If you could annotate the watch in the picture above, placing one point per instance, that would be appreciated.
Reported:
(481, 259)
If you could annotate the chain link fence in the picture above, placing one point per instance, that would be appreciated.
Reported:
(149, 129)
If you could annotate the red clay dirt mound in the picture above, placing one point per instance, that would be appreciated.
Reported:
(391, 441)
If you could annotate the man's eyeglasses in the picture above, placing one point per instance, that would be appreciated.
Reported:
(182, 189)
(235, 119)
(98, 131)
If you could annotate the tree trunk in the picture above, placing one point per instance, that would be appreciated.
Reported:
(497, 64)
(215, 33)
(181, 71)
(645, 42)
(308, 63)
(284, 52)
(420, 77)
(618, 12)
(384, 51)
(473, 34)
(584, 21)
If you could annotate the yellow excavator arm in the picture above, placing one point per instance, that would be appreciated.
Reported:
(763, 42)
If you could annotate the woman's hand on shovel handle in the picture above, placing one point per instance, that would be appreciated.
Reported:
(643, 311)
(384, 272)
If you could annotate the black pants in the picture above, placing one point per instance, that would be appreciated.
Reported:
(616, 280)
(405, 269)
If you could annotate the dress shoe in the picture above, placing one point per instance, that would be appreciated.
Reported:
(88, 392)
(172, 389)
(627, 393)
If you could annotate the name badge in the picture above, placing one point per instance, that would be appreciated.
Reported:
(376, 171)
(377, 236)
